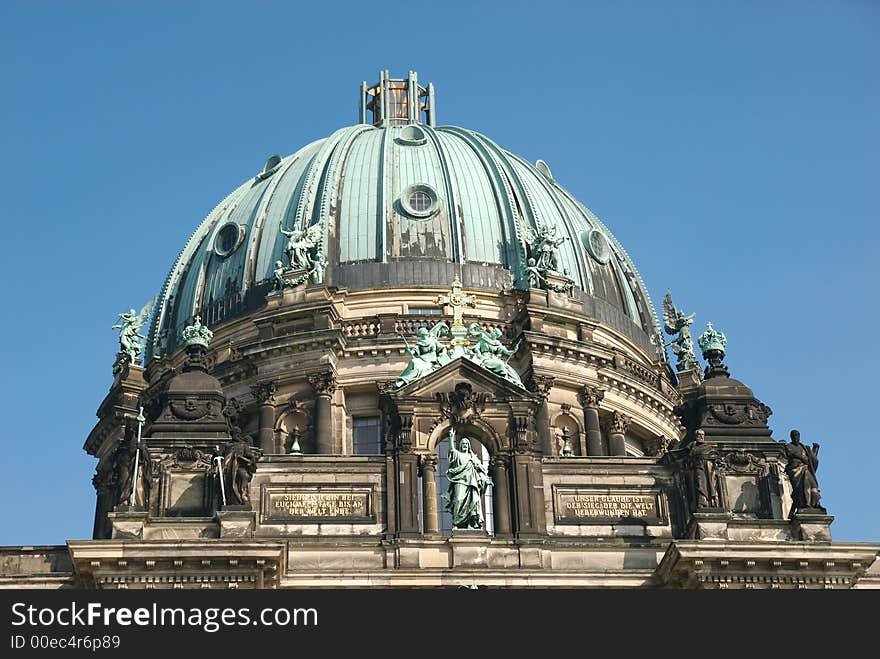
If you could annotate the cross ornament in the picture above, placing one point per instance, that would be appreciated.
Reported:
(457, 300)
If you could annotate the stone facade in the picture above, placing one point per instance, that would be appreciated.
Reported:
(600, 517)
(286, 454)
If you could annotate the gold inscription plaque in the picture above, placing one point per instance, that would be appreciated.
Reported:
(577, 506)
(290, 505)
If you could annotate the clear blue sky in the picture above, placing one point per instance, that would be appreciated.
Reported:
(731, 147)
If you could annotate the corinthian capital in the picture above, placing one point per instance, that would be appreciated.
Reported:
(618, 423)
(264, 392)
(323, 383)
(591, 396)
(428, 461)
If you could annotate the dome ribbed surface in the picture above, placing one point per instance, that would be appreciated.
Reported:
(488, 202)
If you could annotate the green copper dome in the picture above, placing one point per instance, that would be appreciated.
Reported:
(397, 203)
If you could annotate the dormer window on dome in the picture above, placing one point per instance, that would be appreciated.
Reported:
(397, 102)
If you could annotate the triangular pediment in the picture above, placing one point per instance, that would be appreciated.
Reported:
(459, 370)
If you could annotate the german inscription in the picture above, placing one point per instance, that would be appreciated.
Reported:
(582, 506)
(291, 505)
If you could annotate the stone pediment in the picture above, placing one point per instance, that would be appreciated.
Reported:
(444, 380)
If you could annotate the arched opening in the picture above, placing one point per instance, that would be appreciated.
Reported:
(565, 431)
(294, 428)
(444, 517)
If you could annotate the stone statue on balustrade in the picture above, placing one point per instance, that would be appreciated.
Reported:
(468, 482)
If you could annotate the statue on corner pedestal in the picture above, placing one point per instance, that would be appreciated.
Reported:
(468, 481)
(675, 322)
(131, 341)
(803, 461)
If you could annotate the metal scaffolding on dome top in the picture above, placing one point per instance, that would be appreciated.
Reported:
(396, 102)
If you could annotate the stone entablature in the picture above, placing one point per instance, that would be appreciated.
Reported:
(310, 562)
(776, 565)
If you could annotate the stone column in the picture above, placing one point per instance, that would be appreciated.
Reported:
(499, 465)
(527, 477)
(428, 464)
(324, 385)
(264, 393)
(617, 426)
(590, 398)
(542, 385)
(407, 480)
(104, 491)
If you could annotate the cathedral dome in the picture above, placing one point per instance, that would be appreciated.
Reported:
(398, 202)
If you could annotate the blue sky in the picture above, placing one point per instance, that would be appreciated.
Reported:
(731, 147)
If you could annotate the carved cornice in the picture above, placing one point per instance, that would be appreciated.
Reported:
(156, 565)
(695, 564)
(324, 383)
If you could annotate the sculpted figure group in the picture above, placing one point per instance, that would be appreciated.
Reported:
(429, 353)
(303, 253)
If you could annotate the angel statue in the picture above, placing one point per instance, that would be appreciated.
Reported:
(131, 341)
(675, 322)
(300, 246)
(428, 354)
(489, 352)
(544, 249)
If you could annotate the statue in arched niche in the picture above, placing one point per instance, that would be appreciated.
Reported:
(468, 482)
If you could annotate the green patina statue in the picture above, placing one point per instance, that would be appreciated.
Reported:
(303, 253)
(468, 481)
(491, 354)
(131, 341)
(675, 322)
(428, 354)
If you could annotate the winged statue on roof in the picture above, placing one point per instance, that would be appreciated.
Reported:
(131, 341)
(676, 322)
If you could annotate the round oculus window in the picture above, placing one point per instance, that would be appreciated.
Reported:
(597, 245)
(412, 136)
(228, 239)
(419, 201)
